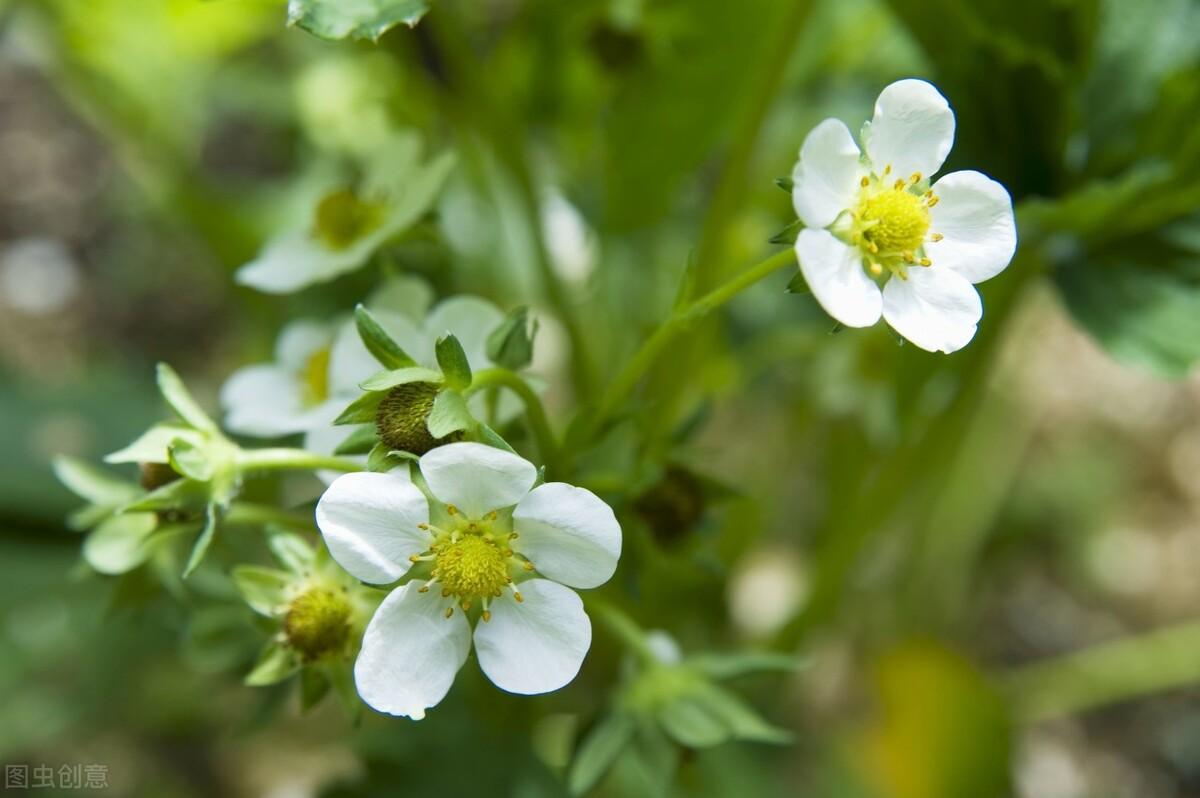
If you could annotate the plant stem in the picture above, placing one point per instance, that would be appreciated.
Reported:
(535, 412)
(1108, 673)
(250, 513)
(677, 323)
(283, 459)
(624, 628)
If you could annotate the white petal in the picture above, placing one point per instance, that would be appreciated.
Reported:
(350, 363)
(827, 174)
(410, 652)
(975, 215)
(264, 401)
(471, 319)
(835, 274)
(569, 534)
(936, 309)
(912, 131)
(369, 522)
(475, 478)
(294, 260)
(535, 646)
(300, 340)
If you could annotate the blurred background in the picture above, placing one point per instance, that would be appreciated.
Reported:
(937, 537)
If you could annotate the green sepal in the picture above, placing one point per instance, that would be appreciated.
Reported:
(511, 344)
(788, 234)
(362, 410)
(151, 446)
(449, 415)
(452, 360)
(189, 460)
(785, 183)
(121, 543)
(377, 341)
(492, 438)
(359, 441)
(380, 458)
(200, 548)
(275, 664)
(262, 588)
(798, 285)
(385, 380)
(182, 494)
(313, 687)
(291, 550)
(181, 401)
(93, 484)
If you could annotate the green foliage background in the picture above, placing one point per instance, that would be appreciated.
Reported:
(933, 536)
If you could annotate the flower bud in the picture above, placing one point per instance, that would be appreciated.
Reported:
(154, 475)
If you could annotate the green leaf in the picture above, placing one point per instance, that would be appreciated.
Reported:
(358, 19)
(190, 460)
(1140, 299)
(151, 446)
(362, 410)
(384, 380)
(359, 441)
(449, 414)
(377, 341)
(263, 589)
(511, 344)
(204, 541)
(452, 360)
(181, 401)
(275, 664)
(120, 544)
(708, 715)
(92, 484)
(598, 751)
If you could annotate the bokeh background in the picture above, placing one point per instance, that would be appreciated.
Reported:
(933, 535)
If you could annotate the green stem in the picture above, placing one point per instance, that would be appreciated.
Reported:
(676, 324)
(249, 513)
(291, 460)
(535, 412)
(1108, 673)
(623, 628)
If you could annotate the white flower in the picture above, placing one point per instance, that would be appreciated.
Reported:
(874, 216)
(490, 546)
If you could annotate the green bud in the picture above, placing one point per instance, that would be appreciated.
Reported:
(403, 416)
(318, 623)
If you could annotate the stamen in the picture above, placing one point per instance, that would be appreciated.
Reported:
(887, 170)
(487, 616)
(899, 185)
(466, 605)
(491, 516)
(925, 262)
(936, 237)
(449, 611)
(876, 268)
(528, 566)
(513, 536)
(864, 182)
(916, 178)
(451, 509)
(909, 258)
(933, 200)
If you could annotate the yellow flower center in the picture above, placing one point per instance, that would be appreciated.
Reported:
(314, 377)
(894, 220)
(891, 224)
(473, 566)
(342, 218)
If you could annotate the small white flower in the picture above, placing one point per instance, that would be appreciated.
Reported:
(490, 545)
(874, 216)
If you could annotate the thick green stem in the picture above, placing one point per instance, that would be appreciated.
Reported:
(291, 460)
(679, 321)
(1108, 673)
(535, 412)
